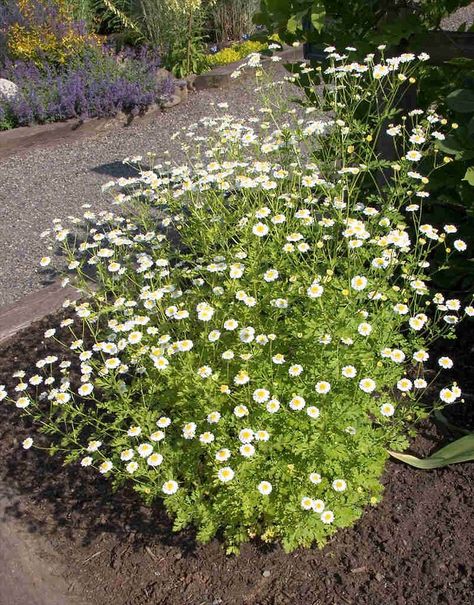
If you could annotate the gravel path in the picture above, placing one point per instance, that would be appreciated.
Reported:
(54, 182)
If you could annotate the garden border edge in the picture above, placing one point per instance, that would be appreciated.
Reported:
(33, 307)
(25, 138)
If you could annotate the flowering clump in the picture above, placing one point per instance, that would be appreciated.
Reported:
(235, 52)
(43, 31)
(254, 375)
(99, 84)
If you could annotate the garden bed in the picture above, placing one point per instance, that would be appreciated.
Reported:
(414, 548)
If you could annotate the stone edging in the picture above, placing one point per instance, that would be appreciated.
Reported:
(33, 307)
(27, 137)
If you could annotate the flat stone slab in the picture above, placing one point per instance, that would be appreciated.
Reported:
(33, 307)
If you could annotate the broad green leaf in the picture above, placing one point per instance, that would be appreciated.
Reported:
(292, 24)
(461, 100)
(469, 176)
(318, 13)
(457, 147)
(394, 30)
(461, 450)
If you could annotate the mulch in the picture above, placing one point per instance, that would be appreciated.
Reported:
(414, 548)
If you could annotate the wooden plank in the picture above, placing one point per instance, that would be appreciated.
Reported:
(33, 307)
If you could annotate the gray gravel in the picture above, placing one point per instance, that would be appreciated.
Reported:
(54, 182)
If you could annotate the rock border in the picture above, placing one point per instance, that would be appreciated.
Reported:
(20, 314)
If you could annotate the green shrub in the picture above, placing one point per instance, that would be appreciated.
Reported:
(44, 32)
(233, 53)
(360, 23)
(254, 375)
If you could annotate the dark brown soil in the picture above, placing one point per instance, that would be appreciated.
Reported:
(415, 548)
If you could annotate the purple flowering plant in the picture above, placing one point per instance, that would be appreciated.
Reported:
(101, 83)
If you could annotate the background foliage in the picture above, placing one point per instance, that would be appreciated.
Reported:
(365, 24)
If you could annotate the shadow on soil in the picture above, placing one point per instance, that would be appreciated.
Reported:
(83, 507)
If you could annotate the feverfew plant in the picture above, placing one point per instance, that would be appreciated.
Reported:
(256, 335)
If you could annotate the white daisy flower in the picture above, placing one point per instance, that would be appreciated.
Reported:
(367, 385)
(223, 455)
(387, 409)
(339, 485)
(318, 506)
(260, 229)
(169, 487)
(261, 395)
(447, 395)
(273, 406)
(154, 460)
(404, 385)
(322, 387)
(247, 450)
(225, 474)
(297, 403)
(265, 488)
(359, 282)
(327, 516)
(295, 370)
(240, 411)
(315, 478)
(105, 467)
(27, 443)
(349, 372)
(246, 435)
(445, 362)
